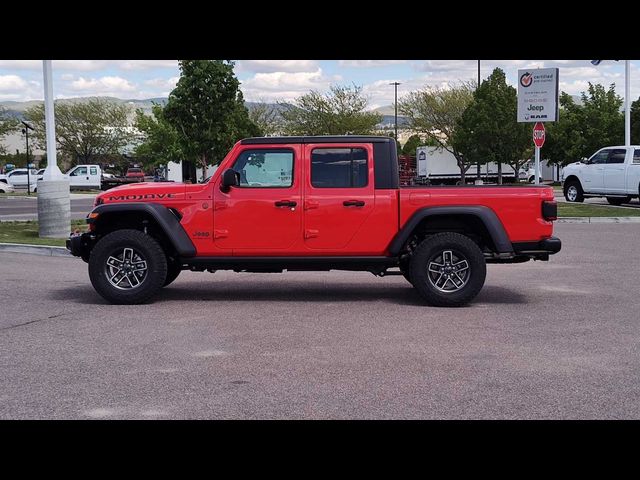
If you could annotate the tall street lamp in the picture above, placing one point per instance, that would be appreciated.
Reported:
(395, 85)
(627, 95)
(25, 130)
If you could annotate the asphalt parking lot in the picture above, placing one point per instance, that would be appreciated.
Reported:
(554, 340)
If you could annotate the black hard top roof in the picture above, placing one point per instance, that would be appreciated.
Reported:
(318, 139)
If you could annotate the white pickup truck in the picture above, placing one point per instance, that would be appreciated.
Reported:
(612, 172)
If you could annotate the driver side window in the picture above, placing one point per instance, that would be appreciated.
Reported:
(264, 168)
(599, 158)
(78, 171)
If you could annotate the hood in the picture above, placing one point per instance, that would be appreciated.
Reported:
(143, 192)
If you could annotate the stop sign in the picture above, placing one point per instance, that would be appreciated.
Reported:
(538, 134)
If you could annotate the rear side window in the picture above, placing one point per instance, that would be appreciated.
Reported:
(339, 168)
(617, 156)
(636, 156)
(93, 170)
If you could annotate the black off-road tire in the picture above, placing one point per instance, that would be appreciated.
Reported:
(463, 249)
(618, 200)
(146, 248)
(173, 270)
(569, 195)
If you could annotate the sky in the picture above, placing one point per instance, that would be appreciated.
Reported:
(272, 80)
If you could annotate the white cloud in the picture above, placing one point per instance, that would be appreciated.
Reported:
(102, 85)
(164, 83)
(272, 66)
(368, 63)
(284, 85)
(147, 64)
(11, 83)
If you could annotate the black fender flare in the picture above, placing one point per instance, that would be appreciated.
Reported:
(165, 219)
(485, 214)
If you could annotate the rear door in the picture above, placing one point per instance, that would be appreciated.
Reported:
(339, 194)
(615, 171)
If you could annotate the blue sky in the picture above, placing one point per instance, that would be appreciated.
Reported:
(271, 80)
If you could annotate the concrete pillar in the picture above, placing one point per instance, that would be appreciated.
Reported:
(54, 209)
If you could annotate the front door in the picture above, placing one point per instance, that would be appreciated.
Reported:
(263, 213)
(615, 171)
(339, 194)
(593, 172)
(79, 177)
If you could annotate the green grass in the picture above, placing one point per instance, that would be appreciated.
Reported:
(27, 232)
(583, 210)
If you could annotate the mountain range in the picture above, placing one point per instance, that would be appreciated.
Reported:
(16, 109)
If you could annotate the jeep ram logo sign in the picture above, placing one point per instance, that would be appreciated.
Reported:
(538, 95)
(146, 196)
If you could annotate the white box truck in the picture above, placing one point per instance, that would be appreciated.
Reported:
(437, 166)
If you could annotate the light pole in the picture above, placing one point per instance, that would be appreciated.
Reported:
(53, 190)
(395, 85)
(627, 95)
(25, 130)
(478, 86)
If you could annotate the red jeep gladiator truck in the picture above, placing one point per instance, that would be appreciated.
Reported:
(313, 204)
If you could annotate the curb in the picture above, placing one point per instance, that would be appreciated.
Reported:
(45, 250)
(598, 220)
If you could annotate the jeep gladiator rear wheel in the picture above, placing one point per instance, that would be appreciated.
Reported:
(127, 267)
(573, 192)
(448, 269)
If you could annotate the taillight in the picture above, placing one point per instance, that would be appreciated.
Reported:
(550, 210)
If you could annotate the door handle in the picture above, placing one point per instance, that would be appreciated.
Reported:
(285, 203)
(353, 203)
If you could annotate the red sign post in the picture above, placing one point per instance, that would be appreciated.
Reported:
(539, 136)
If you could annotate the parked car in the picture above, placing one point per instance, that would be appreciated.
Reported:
(611, 172)
(6, 187)
(313, 203)
(18, 177)
(135, 173)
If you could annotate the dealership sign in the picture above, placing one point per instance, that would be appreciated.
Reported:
(538, 95)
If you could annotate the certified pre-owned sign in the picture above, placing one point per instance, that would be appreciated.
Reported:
(538, 95)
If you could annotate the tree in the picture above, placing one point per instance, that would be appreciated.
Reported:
(341, 111)
(488, 130)
(161, 144)
(7, 124)
(434, 112)
(412, 143)
(266, 117)
(207, 110)
(85, 130)
(583, 129)
(635, 122)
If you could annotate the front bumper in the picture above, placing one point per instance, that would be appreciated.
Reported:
(79, 245)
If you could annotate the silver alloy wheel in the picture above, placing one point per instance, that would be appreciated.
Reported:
(448, 271)
(572, 193)
(126, 270)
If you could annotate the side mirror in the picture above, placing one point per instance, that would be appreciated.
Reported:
(584, 160)
(230, 178)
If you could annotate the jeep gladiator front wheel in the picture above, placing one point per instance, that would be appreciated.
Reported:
(448, 269)
(127, 267)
